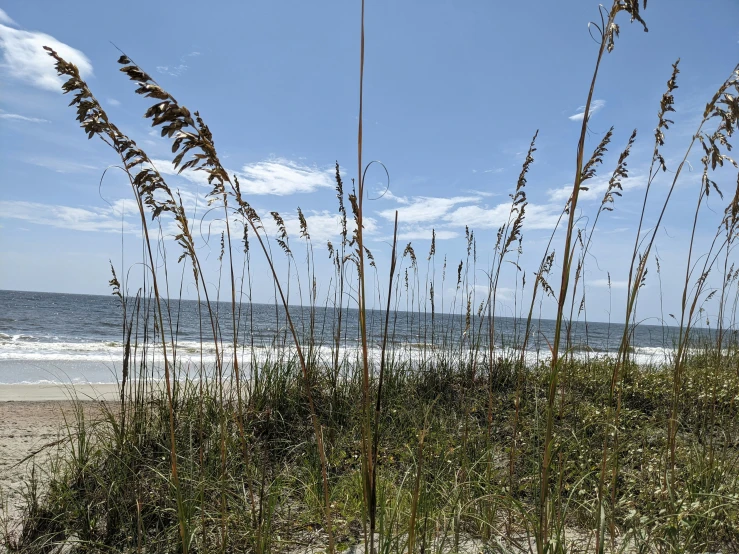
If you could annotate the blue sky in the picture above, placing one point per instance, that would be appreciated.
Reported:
(454, 92)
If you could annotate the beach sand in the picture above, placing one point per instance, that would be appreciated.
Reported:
(31, 417)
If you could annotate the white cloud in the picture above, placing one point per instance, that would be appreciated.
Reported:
(114, 102)
(279, 177)
(106, 219)
(180, 68)
(387, 194)
(445, 214)
(17, 117)
(542, 216)
(478, 217)
(61, 165)
(486, 194)
(283, 177)
(24, 59)
(174, 71)
(411, 233)
(595, 106)
(482, 292)
(123, 214)
(165, 167)
(322, 226)
(6, 20)
(596, 186)
(424, 209)
(603, 283)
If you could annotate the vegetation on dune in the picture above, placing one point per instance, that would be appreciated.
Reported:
(116, 493)
(409, 448)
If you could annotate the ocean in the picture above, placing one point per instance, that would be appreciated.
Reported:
(76, 338)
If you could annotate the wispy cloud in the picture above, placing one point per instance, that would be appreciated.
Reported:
(104, 219)
(61, 165)
(165, 167)
(415, 233)
(283, 177)
(5, 19)
(18, 117)
(322, 226)
(482, 193)
(447, 214)
(482, 217)
(122, 216)
(596, 188)
(279, 177)
(603, 283)
(481, 292)
(595, 106)
(425, 209)
(113, 102)
(24, 59)
(178, 69)
(173, 70)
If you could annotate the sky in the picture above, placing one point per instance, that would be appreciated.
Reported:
(454, 92)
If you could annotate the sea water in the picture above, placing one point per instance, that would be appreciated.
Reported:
(75, 338)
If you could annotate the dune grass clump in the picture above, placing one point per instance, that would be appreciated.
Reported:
(320, 440)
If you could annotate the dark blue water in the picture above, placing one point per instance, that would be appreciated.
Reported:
(78, 338)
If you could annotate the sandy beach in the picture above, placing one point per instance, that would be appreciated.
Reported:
(31, 417)
(52, 392)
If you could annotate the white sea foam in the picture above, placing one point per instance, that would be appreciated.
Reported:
(29, 361)
(193, 351)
